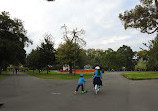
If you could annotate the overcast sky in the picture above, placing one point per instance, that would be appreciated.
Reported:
(99, 19)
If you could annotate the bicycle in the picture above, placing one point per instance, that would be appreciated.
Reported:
(96, 89)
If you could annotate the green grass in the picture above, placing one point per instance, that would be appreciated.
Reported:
(141, 75)
(58, 75)
(3, 75)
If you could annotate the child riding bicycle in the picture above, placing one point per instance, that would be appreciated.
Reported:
(97, 76)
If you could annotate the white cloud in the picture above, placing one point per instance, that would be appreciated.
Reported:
(99, 18)
(115, 39)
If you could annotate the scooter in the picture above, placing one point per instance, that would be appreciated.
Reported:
(85, 91)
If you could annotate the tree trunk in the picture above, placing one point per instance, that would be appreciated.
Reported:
(47, 70)
(39, 71)
(70, 71)
(74, 71)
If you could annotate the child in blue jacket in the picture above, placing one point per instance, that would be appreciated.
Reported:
(80, 83)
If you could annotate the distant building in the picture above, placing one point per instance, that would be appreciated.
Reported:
(88, 66)
(66, 67)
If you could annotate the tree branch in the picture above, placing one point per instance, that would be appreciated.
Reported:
(152, 31)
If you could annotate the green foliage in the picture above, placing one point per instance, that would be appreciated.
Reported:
(47, 52)
(143, 17)
(143, 54)
(153, 55)
(129, 54)
(112, 60)
(34, 60)
(44, 56)
(141, 65)
(13, 39)
(82, 59)
(93, 56)
(69, 53)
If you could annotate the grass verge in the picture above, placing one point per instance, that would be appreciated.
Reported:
(141, 75)
(58, 75)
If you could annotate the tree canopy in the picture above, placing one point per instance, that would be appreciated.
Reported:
(153, 55)
(13, 39)
(70, 52)
(144, 17)
(129, 54)
(43, 56)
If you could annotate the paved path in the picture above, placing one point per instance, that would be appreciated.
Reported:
(26, 93)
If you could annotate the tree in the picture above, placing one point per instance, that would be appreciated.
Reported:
(141, 65)
(143, 54)
(112, 60)
(129, 54)
(65, 53)
(143, 17)
(82, 59)
(153, 55)
(71, 48)
(91, 56)
(47, 51)
(33, 60)
(13, 39)
(43, 56)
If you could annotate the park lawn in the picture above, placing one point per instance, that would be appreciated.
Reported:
(141, 75)
(58, 75)
(3, 75)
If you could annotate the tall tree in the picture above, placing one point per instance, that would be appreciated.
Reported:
(43, 56)
(65, 53)
(47, 51)
(143, 54)
(143, 17)
(129, 54)
(153, 54)
(33, 60)
(73, 43)
(91, 56)
(112, 60)
(141, 65)
(82, 59)
(13, 39)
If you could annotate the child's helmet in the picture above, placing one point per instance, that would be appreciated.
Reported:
(81, 75)
(97, 67)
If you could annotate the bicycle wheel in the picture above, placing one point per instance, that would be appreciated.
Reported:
(96, 89)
